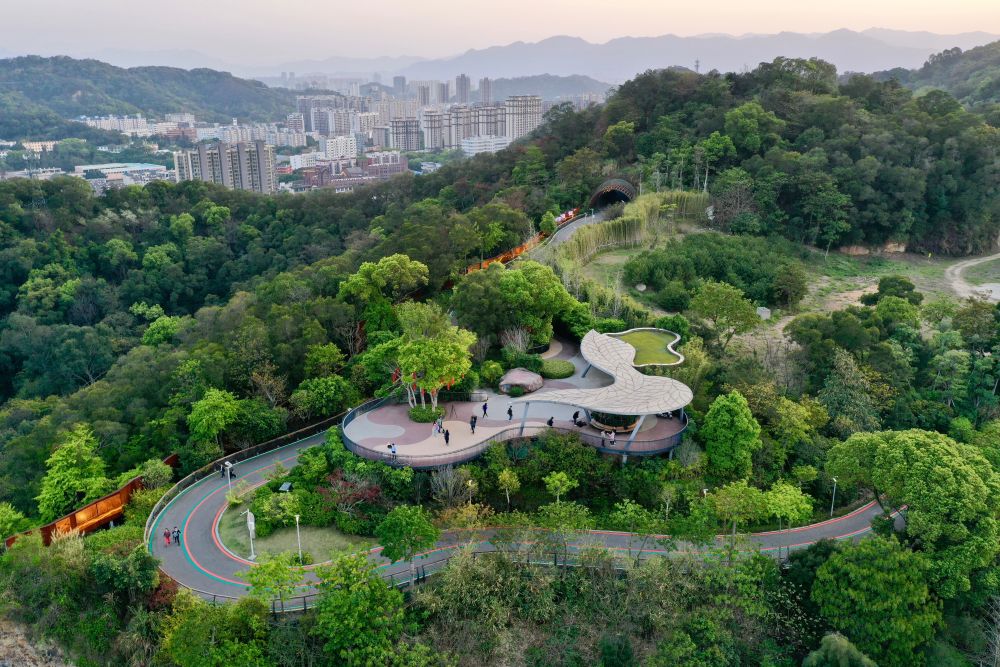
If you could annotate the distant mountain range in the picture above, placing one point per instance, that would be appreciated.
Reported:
(621, 59)
(972, 76)
(615, 61)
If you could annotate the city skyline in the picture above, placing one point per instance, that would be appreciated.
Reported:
(50, 27)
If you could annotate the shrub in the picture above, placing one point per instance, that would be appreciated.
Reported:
(140, 505)
(557, 369)
(425, 414)
(491, 372)
(514, 359)
(676, 323)
(610, 325)
(515, 391)
(674, 297)
(614, 421)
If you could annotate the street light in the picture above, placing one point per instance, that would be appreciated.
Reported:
(834, 497)
(229, 475)
(251, 528)
(298, 538)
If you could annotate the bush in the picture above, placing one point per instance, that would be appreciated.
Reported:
(676, 323)
(557, 369)
(425, 414)
(515, 392)
(610, 325)
(674, 297)
(614, 421)
(514, 359)
(491, 372)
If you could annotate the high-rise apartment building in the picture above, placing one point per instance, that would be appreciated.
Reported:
(404, 134)
(241, 166)
(339, 148)
(433, 126)
(441, 96)
(523, 114)
(295, 122)
(333, 122)
(485, 91)
(399, 85)
(462, 85)
(423, 95)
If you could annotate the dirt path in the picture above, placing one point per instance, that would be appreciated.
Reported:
(961, 287)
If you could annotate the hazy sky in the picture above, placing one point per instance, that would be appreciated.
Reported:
(256, 31)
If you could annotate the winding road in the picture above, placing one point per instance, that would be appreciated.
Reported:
(203, 564)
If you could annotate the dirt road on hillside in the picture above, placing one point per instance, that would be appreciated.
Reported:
(961, 287)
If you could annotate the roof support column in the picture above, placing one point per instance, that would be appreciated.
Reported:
(635, 431)
(586, 370)
(524, 417)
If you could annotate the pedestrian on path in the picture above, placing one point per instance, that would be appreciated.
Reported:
(551, 421)
(177, 536)
(472, 423)
(576, 415)
(485, 405)
(510, 412)
(434, 429)
(392, 451)
(612, 435)
(447, 437)
(166, 537)
(222, 471)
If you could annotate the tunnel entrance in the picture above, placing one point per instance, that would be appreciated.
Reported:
(612, 191)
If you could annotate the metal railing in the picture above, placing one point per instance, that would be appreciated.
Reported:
(242, 455)
(638, 447)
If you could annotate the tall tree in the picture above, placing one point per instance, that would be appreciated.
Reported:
(875, 592)
(404, 532)
(74, 476)
(731, 436)
(724, 309)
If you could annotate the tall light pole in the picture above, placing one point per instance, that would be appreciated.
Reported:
(833, 498)
(251, 528)
(298, 538)
(229, 475)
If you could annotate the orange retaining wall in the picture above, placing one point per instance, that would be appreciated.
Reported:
(514, 253)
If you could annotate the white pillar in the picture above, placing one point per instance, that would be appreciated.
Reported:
(632, 435)
(524, 417)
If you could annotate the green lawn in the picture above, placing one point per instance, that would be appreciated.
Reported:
(651, 347)
(987, 272)
(319, 542)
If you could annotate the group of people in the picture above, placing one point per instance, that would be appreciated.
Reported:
(174, 535)
(439, 429)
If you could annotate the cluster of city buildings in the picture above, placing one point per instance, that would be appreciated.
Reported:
(359, 134)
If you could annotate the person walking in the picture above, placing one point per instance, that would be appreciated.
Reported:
(551, 421)
(612, 434)
(166, 537)
(177, 536)
(392, 451)
(472, 423)
(510, 412)
(604, 434)
(485, 405)
(576, 415)
(447, 437)
(222, 471)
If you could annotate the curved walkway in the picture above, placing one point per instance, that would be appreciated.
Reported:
(202, 563)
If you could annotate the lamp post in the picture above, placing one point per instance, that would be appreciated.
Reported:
(229, 475)
(251, 528)
(833, 498)
(298, 538)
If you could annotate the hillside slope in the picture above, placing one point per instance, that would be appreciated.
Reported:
(972, 76)
(70, 88)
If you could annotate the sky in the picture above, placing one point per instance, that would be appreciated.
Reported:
(259, 31)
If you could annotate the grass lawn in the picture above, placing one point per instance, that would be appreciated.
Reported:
(319, 542)
(842, 273)
(651, 347)
(987, 272)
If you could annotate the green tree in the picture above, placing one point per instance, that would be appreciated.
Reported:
(358, 615)
(731, 436)
(11, 521)
(392, 278)
(836, 650)
(509, 482)
(724, 310)
(433, 363)
(74, 476)
(848, 397)
(211, 415)
(875, 592)
(323, 360)
(559, 484)
(199, 634)
(406, 531)
(273, 577)
(752, 128)
(738, 503)
(323, 396)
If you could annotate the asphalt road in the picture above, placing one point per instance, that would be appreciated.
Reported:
(203, 564)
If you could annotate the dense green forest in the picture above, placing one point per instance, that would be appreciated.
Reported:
(39, 92)
(187, 318)
(972, 76)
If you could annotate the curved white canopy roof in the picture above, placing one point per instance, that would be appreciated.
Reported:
(631, 393)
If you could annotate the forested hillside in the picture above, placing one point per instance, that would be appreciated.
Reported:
(191, 319)
(972, 76)
(68, 88)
